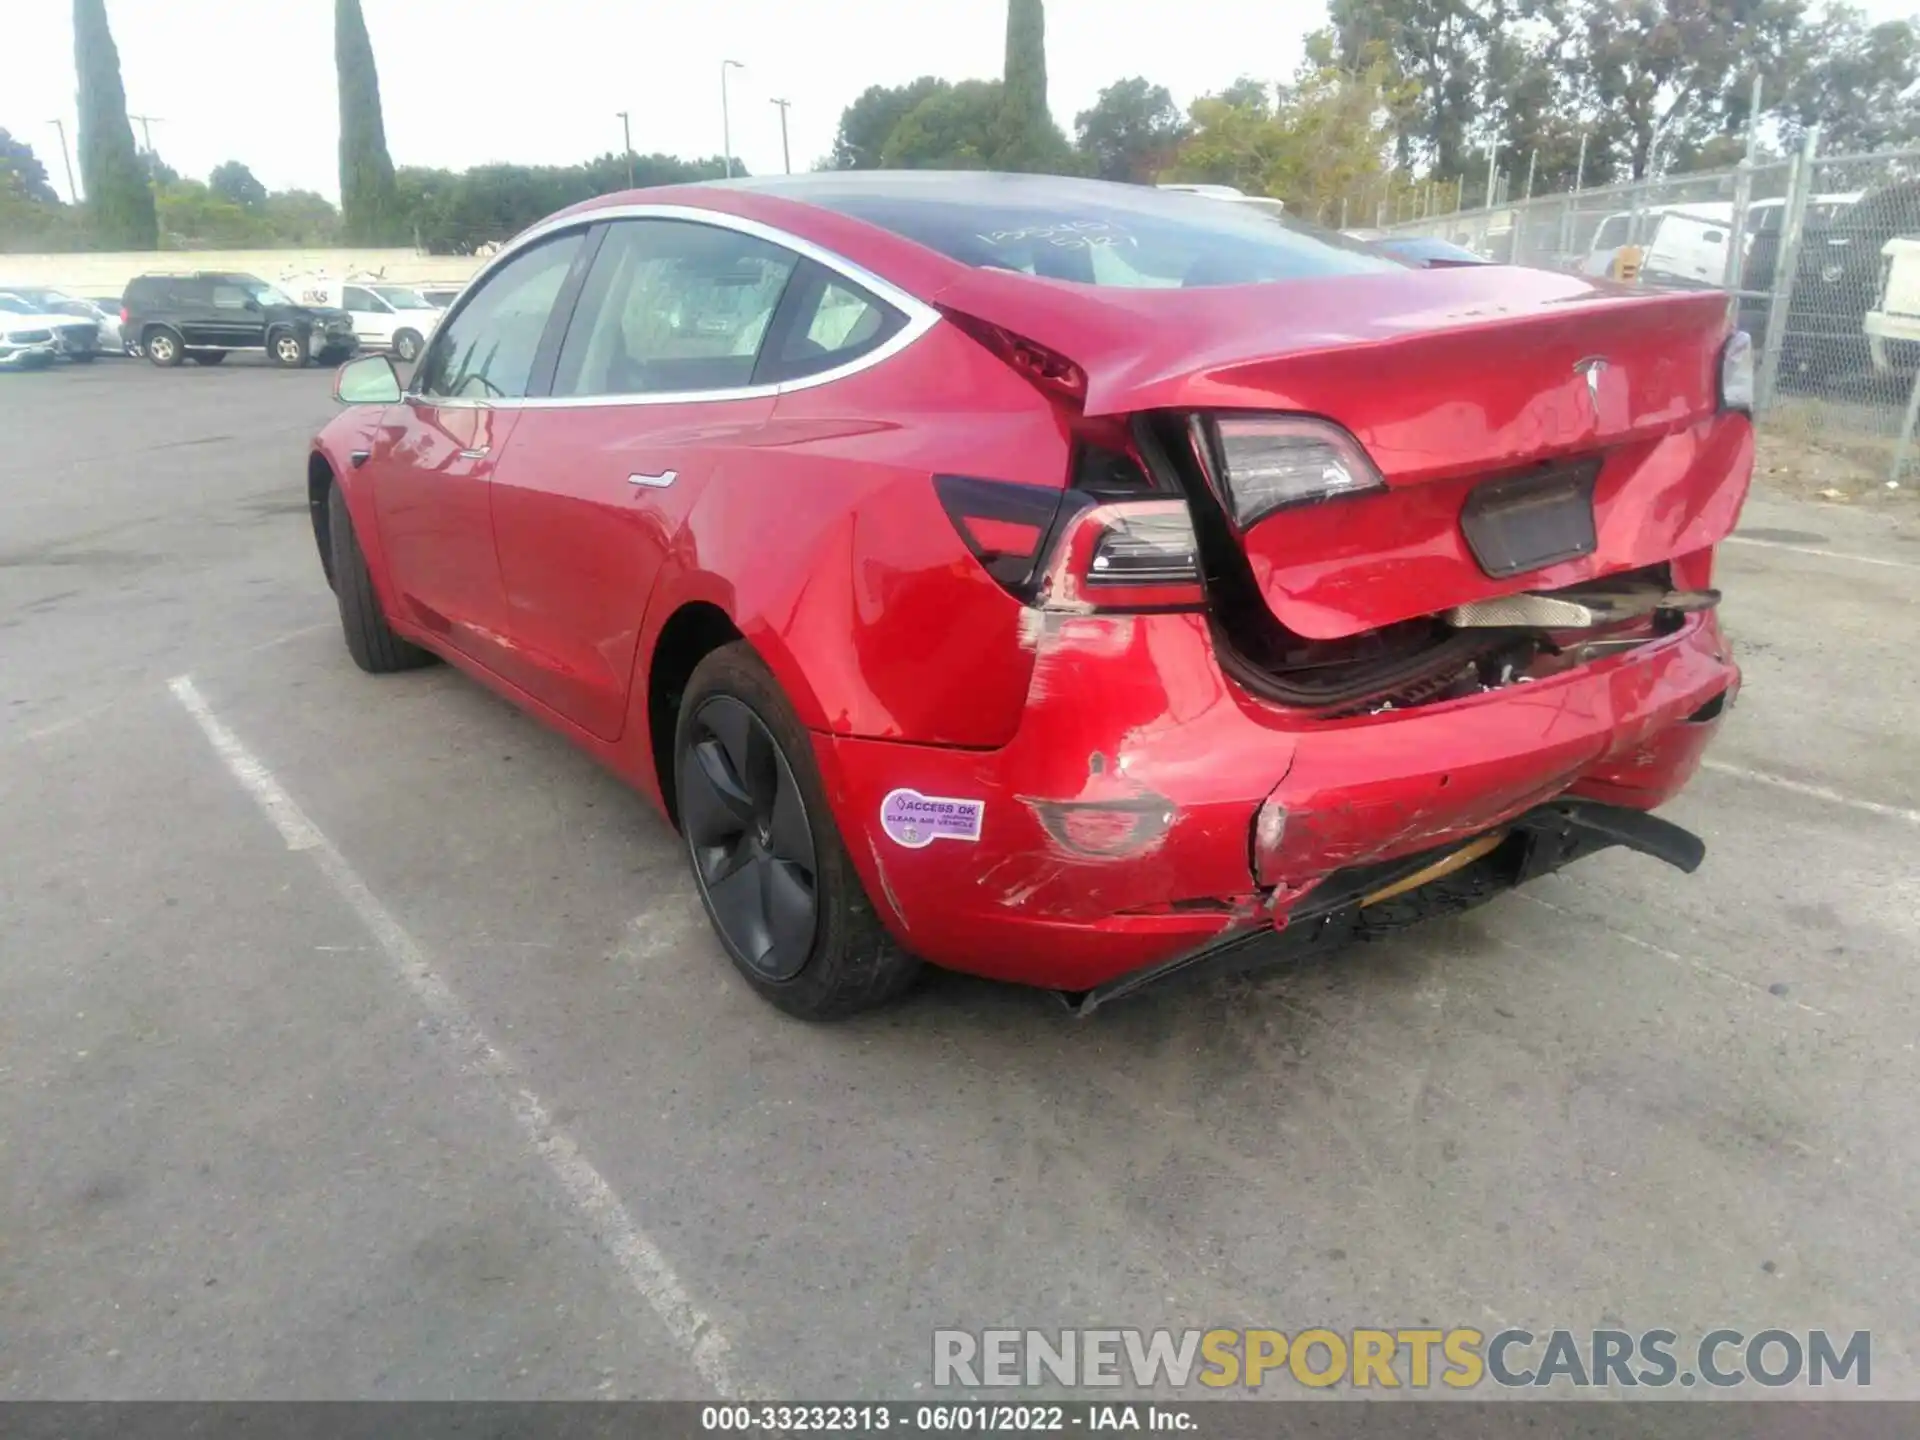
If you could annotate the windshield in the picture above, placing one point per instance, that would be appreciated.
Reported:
(1087, 231)
(402, 297)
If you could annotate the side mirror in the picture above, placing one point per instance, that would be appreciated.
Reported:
(370, 380)
(251, 304)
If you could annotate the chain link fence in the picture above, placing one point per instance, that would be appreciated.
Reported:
(1820, 258)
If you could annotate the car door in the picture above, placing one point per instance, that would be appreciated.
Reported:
(431, 459)
(191, 304)
(662, 388)
(233, 318)
(372, 316)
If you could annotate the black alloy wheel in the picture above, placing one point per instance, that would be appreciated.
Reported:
(747, 827)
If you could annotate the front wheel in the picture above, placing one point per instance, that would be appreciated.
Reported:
(407, 345)
(288, 348)
(768, 860)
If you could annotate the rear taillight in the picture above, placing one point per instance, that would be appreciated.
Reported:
(1004, 525)
(124, 315)
(1261, 463)
(1124, 555)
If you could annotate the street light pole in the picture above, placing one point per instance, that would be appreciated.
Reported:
(786, 155)
(726, 119)
(626, 140)
(146, 133)
(73, 192)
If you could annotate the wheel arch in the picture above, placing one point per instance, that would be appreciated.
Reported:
(320, 483)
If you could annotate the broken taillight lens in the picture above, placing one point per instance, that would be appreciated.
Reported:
(1125, 555)
(1050, 372)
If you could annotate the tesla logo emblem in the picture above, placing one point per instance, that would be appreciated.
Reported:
(1592, 368)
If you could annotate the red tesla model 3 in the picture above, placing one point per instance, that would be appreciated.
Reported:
(1066, 582)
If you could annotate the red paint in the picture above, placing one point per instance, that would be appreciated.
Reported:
(1120, 768)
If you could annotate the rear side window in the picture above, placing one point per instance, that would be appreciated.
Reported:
(487, 350)
(826, 321)
(1092, 233)
(672, 306)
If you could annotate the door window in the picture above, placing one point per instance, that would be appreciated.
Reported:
(826, 321)
(363, 300)
(1613, 233)
(229, 297)
(486, 351)
(672, 306)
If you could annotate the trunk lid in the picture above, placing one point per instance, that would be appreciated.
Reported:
(1449, 380)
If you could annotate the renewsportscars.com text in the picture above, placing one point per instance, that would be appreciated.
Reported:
(1390, 1359)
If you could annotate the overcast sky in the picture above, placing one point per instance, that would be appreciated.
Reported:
(465, 82)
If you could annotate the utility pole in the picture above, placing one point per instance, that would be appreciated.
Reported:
(726, 120)
(1493, 160)
(1532, 161)
(146, 134)
(786, 155)
(626, 141)
(73, 193)
(1580, 165)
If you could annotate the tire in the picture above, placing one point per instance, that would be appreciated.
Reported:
(842, 961)
(407, 345)
(371, 642)
(287, 349)
(163, 346)
(207, 357)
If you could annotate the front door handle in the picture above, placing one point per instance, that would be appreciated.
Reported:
(655, 482)
(479, 454)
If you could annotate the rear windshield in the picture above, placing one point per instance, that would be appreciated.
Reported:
(1091, 232)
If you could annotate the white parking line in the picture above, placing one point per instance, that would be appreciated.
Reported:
(639, 1259)
(1816, 550)
(1814, 792)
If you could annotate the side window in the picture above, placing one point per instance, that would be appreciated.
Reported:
(361, 299)
(1613, 233)
(672, 306)
(229, 297)
(486, 351)
(827, 322)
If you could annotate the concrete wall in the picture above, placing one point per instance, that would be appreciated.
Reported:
(107, 274)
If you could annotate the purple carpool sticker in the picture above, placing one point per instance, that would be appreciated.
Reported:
(916, 821)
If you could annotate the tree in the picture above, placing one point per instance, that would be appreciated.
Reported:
(1852, 80)
(952, 129)
(869, 120)
(1131, 132)
(368, 203)
(119, 203)
(1025, 136)
(21, 173)
(234, 181)
(1442, 47)
(1674, 72)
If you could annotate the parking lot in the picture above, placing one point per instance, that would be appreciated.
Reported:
(360, 1038)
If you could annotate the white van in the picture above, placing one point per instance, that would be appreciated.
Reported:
(1264, 203)
(394, 318)
(1678, 242)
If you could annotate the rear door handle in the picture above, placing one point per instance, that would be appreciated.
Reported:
(655, 482)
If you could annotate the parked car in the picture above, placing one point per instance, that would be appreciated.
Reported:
(397, 318)
(26, 342)
(1428, 251)
(1893, 325)
(1058, 580)
(106, 323)
(1838, 280)
(205, 315)
(1265, 204)
(73, 338)
(440, 296)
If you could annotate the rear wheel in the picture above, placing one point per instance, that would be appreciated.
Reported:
(163, 346)
(288, 348)
(406, 345)
(370, 640)
(207, 357)
(769, 862)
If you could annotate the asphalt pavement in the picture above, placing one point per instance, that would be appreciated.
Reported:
(359, 1038)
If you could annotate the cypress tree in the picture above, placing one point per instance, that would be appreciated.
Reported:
(369, 206)
(1026, 137)
(119, 202)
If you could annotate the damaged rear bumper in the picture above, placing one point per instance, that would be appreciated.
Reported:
(1130, 824)
(1360, 903)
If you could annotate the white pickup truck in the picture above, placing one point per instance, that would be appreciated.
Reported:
(1893, 325)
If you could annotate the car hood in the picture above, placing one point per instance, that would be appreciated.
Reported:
(38, 320)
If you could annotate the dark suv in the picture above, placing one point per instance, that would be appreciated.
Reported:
(202, 316)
